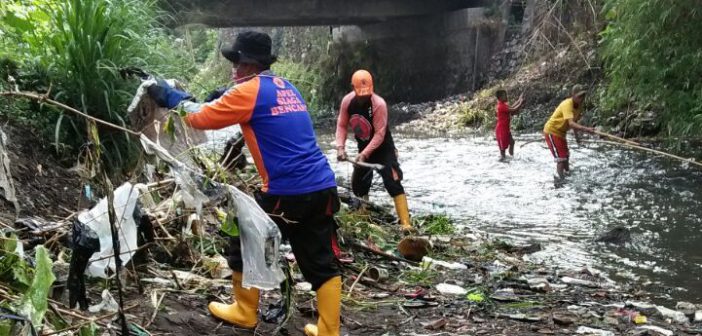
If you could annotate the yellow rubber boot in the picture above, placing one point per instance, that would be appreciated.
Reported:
(403, 212)
(328, 309)
(244, 311)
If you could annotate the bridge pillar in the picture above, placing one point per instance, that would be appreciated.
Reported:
(422, 58)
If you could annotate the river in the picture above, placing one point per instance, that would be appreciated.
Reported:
(658, 199)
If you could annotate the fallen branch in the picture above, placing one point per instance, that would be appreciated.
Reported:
(360, 275)
(360, 246)
(44, 98)
(112, 217)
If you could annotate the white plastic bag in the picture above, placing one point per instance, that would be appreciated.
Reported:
(260, 243)
(126, 197)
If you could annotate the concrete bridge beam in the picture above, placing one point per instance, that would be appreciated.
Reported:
(259, 13)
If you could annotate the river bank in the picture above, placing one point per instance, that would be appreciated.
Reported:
(476, 284)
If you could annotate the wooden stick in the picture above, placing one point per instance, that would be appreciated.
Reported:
(360, 275)
(374, 166)
(44, 98)
(530, 142)
(614, 137)
(380, 253)
(688, 160)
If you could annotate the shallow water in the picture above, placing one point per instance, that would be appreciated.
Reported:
(657, 198)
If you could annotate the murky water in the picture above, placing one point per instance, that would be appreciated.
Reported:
(659, 199)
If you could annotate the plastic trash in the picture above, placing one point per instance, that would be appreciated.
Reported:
(579, 282)
(191, 194)
(449, 265)
(84, 243)
(108, 304)
(674, 315)
(640, 319)
(593, 331)
(303, 286)
(260, 243)
(9, 319)
(217, 266)
(260, 236)
(656, 329)
(686, 308)
(7, 188)
(96, 219)
(449, 289)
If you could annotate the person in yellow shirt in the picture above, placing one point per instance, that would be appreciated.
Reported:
(566, 117)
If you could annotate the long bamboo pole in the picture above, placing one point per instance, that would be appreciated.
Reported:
(614, 137)
(672, 156)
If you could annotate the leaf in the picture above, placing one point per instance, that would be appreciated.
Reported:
(169, 126)
(475, 297)
(21, 25)
(88, 330)
(6, 326)
(230, 225)
(12, 267)
(33, 303)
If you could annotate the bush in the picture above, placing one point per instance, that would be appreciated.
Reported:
(651, 50)
(81, 46)
(306, 79)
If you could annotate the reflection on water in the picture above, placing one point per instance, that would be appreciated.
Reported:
(659, 199)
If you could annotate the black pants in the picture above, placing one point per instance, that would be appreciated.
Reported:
(391, 173)
(308, 224)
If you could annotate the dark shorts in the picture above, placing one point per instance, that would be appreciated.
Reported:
(558, 147)
(308, 224)
(362, 177)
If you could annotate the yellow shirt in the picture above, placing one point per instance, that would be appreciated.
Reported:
(558, 123)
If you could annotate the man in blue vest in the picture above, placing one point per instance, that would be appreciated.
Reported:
(298, 182)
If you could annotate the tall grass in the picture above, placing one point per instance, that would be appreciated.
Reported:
(91, 41)
(83, 44)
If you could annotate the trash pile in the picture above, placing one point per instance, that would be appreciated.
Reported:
(472, 285)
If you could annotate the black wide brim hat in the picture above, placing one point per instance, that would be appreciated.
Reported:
(250, 47)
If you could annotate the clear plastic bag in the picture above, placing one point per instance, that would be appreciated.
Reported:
(260, 243)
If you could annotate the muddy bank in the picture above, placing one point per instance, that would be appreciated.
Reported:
(44, 185)
(468, 285)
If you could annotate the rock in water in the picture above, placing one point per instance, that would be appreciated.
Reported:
(619, 236)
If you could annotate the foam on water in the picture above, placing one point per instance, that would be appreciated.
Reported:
(657, 198)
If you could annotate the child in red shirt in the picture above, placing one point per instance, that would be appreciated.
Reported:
(504, 115)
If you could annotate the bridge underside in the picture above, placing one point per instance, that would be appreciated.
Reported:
(445, 44)
(260, 13)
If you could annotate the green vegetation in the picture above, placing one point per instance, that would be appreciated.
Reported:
(652, 51)
(306, 79)
(472, 116)
(75, 50)
(34, 282)
(424, 275)
(437, 224)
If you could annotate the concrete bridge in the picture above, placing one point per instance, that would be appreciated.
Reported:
(259, 13)
(423, 49)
